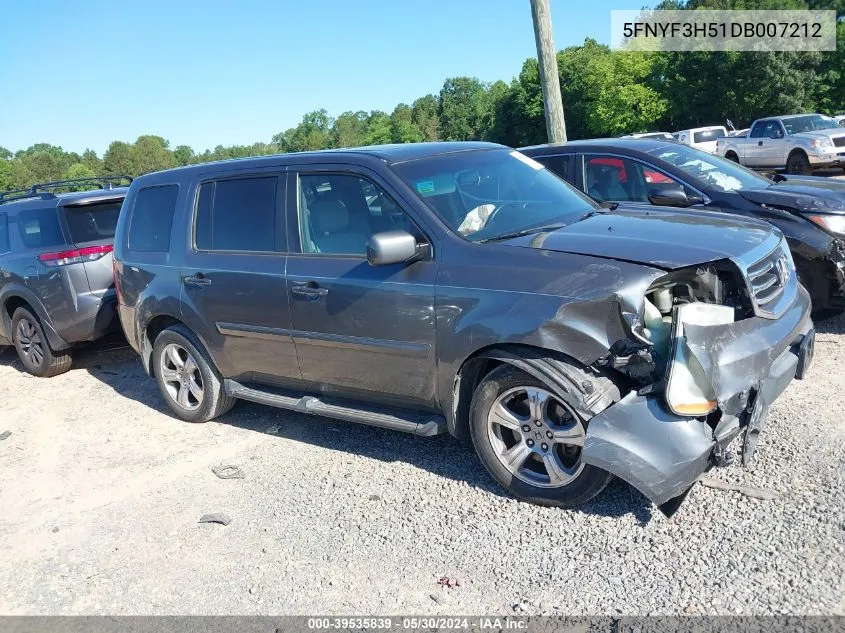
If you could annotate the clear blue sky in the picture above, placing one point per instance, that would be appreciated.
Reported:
(208, 72)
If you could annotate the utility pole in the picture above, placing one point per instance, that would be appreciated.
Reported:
(549, 79)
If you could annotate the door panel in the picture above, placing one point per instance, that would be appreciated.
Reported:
(360, 328)
(360, 331)
(241, 296)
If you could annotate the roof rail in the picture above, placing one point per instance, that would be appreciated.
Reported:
(41, 190)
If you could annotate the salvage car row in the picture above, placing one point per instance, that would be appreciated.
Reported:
(443, 287)
(795, 143)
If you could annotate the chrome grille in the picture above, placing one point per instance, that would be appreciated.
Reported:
(768, 278)
(839, 141)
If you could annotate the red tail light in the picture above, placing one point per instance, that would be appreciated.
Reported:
(75, 256)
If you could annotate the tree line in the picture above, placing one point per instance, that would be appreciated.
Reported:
(605, 93)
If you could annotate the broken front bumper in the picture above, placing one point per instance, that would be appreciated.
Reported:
(749, 364)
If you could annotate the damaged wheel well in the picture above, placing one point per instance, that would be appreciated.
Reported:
(155, 327)
(553, 368)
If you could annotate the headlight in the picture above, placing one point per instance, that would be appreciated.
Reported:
(819, 143)
(832, 223)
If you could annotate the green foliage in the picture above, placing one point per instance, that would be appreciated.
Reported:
(605, 93)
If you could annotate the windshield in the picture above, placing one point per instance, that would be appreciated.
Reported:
(715, 171)
(712, 134)
(808, 123)
(487, 194)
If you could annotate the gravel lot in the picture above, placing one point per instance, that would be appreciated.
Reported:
(102, 491)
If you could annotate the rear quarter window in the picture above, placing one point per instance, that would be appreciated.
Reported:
(40, 228)
(92, 222)
(152, 219)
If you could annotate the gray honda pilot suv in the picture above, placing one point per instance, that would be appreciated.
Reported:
(56, 284)
(463, 288)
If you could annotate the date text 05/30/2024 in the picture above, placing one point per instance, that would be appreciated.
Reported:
(413, 623)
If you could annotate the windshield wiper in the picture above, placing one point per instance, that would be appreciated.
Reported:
(521, 232)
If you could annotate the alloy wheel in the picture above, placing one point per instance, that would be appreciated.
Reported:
(536, 436)
(31, 345)
(181, 377)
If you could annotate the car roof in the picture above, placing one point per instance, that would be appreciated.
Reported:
(599, 144)
(391, 154)
(793, 116)
(49, 199)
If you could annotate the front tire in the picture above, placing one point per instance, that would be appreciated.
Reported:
(33, 348)
(798, 164)
(530, 440)
(186, 377)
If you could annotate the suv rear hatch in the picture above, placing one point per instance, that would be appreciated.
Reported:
(91, 223)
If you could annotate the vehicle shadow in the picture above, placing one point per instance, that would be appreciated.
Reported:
(834, 325)
(115, 364)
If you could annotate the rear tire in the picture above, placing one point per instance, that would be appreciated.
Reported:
(798, 164)
(530, 440)
(33, 348)
(187, 379)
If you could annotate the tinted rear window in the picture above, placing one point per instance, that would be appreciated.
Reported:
(237, 214)
(40, 228)
(152, 217)
(708, 135)
(92, 222)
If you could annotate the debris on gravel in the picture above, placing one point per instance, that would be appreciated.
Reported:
(228, 472)
(748, 491)
(4, 435)
(217, 517)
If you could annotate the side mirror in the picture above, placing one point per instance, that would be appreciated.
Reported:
(392, 247)
(674, 197)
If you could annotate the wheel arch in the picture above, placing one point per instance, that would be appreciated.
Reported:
(554, 369)
(14, 297)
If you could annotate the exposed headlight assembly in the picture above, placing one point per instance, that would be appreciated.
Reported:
(832, 223)
(688, 389)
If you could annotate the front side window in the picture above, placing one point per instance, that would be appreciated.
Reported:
(616, 179)
(709, 169)
(489, 194)
(152, 218)
(40, 228)
(339, 212)
(237, 214)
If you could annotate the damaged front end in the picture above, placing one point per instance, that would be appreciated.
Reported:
(710, 348)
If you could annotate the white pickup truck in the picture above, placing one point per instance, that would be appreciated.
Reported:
(797, 143)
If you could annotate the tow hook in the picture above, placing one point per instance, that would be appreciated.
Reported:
(723, 457)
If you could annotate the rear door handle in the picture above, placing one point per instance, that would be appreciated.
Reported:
(308, 289)
(197, 280)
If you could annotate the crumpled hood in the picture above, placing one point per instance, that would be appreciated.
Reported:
(660, 237)
(808, 194)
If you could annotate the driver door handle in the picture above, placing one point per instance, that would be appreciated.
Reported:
(308, 289)
(198, 280)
